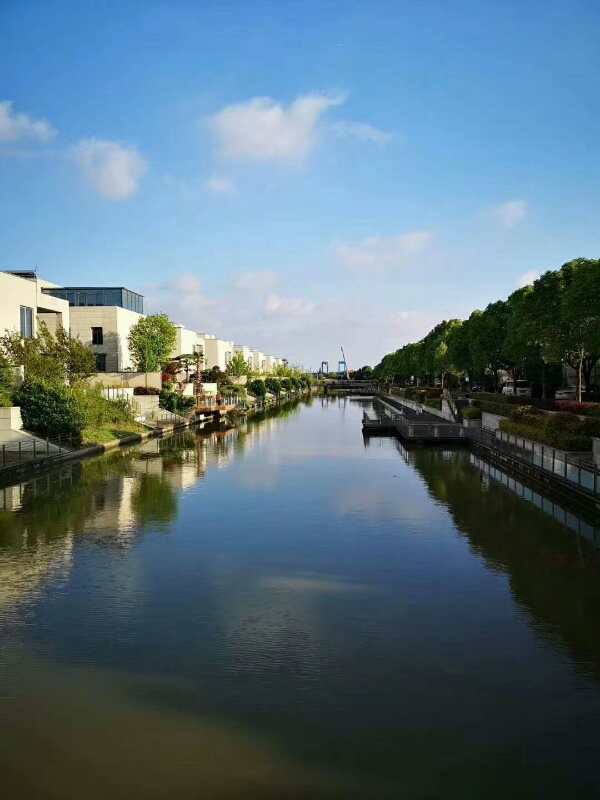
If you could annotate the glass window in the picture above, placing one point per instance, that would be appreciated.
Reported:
(97, 336)
(26, 322)
(100, 362)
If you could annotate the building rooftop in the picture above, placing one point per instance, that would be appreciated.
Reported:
(99, 296)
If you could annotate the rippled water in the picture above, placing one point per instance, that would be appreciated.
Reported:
(288, 611)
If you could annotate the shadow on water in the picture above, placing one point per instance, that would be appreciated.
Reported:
(550, 554)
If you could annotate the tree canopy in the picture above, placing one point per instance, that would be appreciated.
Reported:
(555, 320)
(151, 342)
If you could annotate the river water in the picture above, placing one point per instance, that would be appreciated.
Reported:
(289, 611)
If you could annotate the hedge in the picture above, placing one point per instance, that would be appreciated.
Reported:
(50, 409)
(563, 441)
(471, 412)
(502, 409)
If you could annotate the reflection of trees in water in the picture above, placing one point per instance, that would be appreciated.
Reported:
(114, 498)
(154, 500)
(554, 574)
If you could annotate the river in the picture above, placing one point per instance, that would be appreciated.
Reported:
(287, 610)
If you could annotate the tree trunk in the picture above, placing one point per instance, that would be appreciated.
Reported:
(589, 362)
(579, 375)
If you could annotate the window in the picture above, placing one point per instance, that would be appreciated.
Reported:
(100, 362)
(97, 336)
(26, 322)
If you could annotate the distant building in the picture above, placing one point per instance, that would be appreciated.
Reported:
(217, 352)
(258, 360)
(270, 363)
(246, 354)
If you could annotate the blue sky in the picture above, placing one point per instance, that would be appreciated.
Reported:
(300, 175)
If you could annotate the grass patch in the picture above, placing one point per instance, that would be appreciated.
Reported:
(107, 433)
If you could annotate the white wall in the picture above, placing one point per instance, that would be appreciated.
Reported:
(217, 353)
(187, 342)
(246, 353)
(258, 360)
(115, 322)
(16, 292)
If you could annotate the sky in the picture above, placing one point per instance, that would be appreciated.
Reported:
(297, 176)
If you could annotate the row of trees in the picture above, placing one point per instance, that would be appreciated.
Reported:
(530, 334)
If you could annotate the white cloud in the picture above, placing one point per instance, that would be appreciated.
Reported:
(510, 213)
(259, 280)
(15, 126)
(276, 305)
(381, 252)
(361, 131)
(113, 169)
(261, 129)
(527, 278)
(220, 185)
(182, 297)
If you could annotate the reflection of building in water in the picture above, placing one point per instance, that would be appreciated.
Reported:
(26, 568)
(567, 518)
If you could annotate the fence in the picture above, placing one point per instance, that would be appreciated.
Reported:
(572, 467)
(28, 450)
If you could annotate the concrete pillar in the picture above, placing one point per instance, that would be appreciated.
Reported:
(596, 450)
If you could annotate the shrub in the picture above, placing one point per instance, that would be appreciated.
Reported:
(273, 385)
(503, 409)
(471, 412)
(560, 439)
(171, 400)
(98, 410)
(257, 388)
(146, 390)
(51, 409)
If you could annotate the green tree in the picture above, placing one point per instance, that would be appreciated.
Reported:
(238, 366)
(50, 358)
(580, 318)
(151, 341)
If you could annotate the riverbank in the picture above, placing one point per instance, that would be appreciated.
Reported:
(29, 466)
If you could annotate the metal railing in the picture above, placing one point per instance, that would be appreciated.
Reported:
(573, 467)
(30, 449)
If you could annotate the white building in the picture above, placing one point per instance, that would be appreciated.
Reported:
(185, 343)
(217, 352)
(270, 363)
(23, 305)
(246, 354)
(102, 318)
(258, 360)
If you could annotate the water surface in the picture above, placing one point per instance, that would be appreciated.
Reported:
(289, 611)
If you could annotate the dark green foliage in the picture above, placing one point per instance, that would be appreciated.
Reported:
(50, 409)
(471, 412)
(47, 357)
(173, 401)
(257, 388)
(565, 431)
(528, 335)
(273, 385)
(151, 341)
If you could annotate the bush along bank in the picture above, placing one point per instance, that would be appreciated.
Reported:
(79, 414)
(564, 431)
